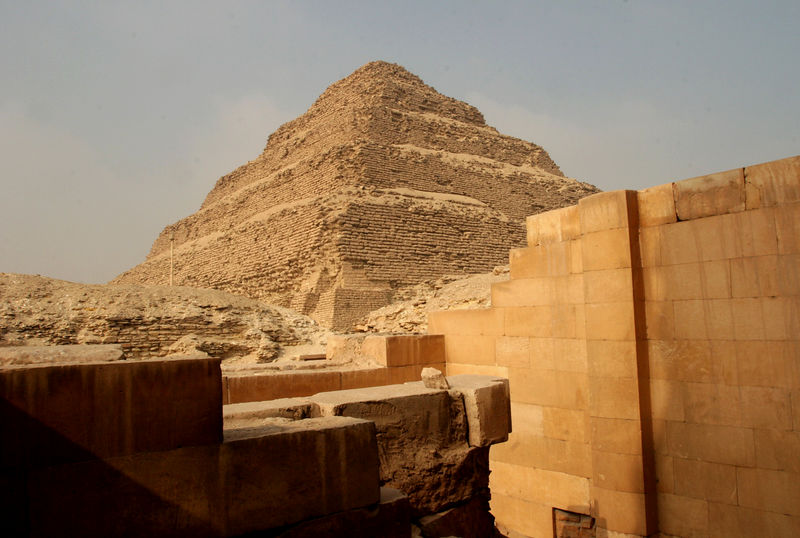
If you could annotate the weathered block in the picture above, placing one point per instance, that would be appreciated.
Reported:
(487, 404)
(714, 194)
(773, 183)
(281, 384)
(75, 412)
(390, 519)
(618, 472)
(682, 516)
(49, 355)
(251, 414)
(242, 485)
(657, 205)
(433, 441)
(606, 211)
(620, 511)
(553, 226)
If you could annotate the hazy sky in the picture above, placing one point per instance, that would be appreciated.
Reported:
(116, 119)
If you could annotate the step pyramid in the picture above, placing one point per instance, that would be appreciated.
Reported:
(382, 183)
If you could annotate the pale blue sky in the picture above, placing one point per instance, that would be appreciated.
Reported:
(117, 118)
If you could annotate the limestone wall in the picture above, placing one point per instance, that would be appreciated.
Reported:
(651, 343)
(140, 448)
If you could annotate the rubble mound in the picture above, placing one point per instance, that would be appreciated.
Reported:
(410, 313)
(382, 184)
(151, 321)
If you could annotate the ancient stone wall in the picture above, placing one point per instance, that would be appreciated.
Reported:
(144, 448)
(651, 343)
(280, 228)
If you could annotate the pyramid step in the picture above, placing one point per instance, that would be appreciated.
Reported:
(553, 226)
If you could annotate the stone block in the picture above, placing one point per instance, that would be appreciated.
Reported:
(612, 358)
(778, 450)
(766, 407)
(528, 418)
(548, 387)
(242, 485)
(717, 444)
(714, 194)
(706, 481)
(757, 232)
(391, 518)
(680, 244)
(529, 321)
(726, 521)
(404, 350)
(610, 321)
(49, 355)
(660, 319)
(528, 450)
(682, 516)
(252, 414)
(477, 369)
(657, 205)
(690, 320)
(773, 183)
(665, 474)
(74, 412)
(619, 511)
(282, 384)
(686, 360)
(553, 259)
(755, 277)
(666, 399)
(773, 491)
(406, 374)
(422, 441)
(618, 472)
(608, 285)
(364, 377)
(470, 349)
(622, 436)
(487, 404)
(715, 279)
(787, 224)
(523, 292)
(606, 211)
(788, 279)
(610, 249)
(576, 256)
(467, 520)
(613, 397)
(513, 351)
(650, 246)
(334, 468)
(553, 226)
(765, 364)
(748, 319)
(565, 424)
(515, 515)
(569, 355)
(539, 485)
(434, 379)
(487, 321)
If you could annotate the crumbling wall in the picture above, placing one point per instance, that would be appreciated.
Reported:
(651, 343)
(145, 321)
